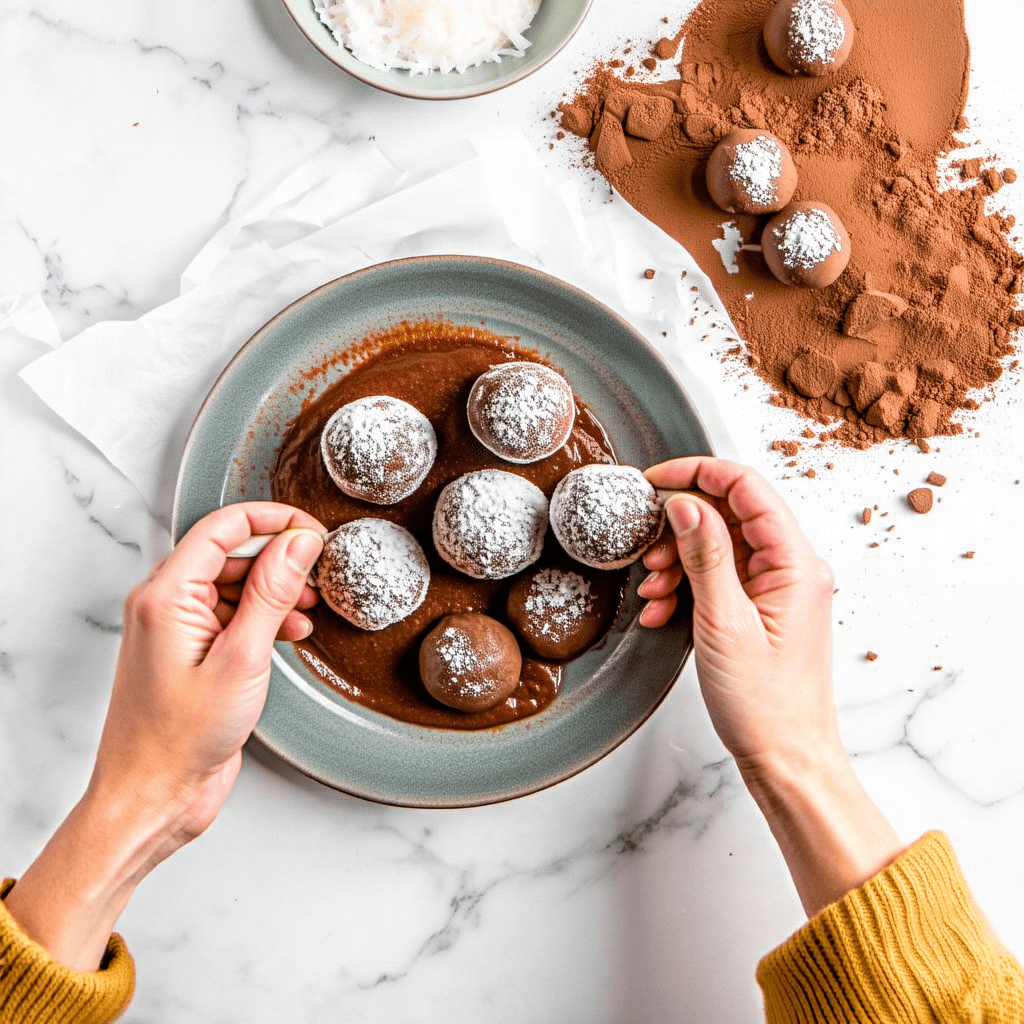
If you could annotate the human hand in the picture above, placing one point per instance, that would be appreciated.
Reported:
(762, 642)
(190, 683)
(762, 608)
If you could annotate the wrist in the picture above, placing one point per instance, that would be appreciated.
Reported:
(831, 834)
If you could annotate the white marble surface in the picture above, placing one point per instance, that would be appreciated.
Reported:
(646, 888)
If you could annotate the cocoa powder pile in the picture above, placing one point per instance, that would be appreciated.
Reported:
(927, 308)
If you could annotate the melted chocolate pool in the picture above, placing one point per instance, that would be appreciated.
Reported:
(432, 366)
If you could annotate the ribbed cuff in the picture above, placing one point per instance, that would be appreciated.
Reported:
(36, 989)
(908, 945)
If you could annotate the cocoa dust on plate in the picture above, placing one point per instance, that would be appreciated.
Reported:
(927, 308)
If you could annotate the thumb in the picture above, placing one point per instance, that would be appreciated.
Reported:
(705, 552)
(271, 591)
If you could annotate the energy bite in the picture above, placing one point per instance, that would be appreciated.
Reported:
(379, 449)
(806, 245)
(522, 412)
(372, 573)
(490, 524)
(751, 171)
(808, 37)
(606, 516)
(470, 662)
(558, 613)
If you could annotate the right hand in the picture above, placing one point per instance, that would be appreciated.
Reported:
(762, 612)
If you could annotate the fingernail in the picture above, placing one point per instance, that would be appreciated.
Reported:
(643, 616)
(646, 583)
(307, 629)
(683, 515)
(303, 550)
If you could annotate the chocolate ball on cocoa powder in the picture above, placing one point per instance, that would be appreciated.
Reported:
(379, 449)
(558, 613)
(806, 245)
(372, 573)
(751, 171)
(522, 412)
(808, 37)
(606, 516)
(470, 662)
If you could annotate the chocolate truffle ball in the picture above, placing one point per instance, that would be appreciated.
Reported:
(522, 412)
(606, 516)
(372, 573)
(751, 171)
(470, 662)
(379, 449)
(558, 613)
(490, 524)
(808, 37)
(806, 245)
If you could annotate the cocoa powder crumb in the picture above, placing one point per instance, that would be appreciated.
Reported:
(920, 500)
(811, 474)
(935, 479)
(1009, 176)
(788, 448)
(871, 656)
(937, 668)
(649, 274)
(865, 516)
(968, 554)
(874, 545)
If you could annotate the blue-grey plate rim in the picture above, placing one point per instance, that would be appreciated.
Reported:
(400, 83)
(511, 754)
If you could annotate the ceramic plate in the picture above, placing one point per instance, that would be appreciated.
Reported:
(610, 690)
(555, 24)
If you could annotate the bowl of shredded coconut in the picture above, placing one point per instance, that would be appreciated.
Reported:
(438, 49)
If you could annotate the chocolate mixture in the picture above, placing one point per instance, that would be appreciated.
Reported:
(432, 366)
(926, 309)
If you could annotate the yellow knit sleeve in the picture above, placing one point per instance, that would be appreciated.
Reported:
(36, 989)
(907, 946)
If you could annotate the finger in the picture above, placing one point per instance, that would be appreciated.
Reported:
(706, 554)
(202, 553)
(661, 584)
(272, 589)
(233, 592)
(295, 627)
(657, 613)
(662, 553)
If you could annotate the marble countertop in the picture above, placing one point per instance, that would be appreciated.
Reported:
(644, 889)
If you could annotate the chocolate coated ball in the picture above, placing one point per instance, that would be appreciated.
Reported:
(379, 449)
(808, 37)
(522, 412)
(557, 612)
(751, 171)
(806, 245)
(470, 662)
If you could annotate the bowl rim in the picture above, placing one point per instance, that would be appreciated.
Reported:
(320, 42)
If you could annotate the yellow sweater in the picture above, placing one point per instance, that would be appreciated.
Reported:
(907, 946)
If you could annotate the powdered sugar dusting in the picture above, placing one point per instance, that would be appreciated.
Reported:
(455, 649)
(807, 239)
(490, 524)
(373, 573)
(521, 411)
(816, 32)
(379, 449)
(606, 516)
(757, 167)
(558, 601)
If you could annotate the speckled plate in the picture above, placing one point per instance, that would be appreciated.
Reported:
(609, 691)
(554, 25)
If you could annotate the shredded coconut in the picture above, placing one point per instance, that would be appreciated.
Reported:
(373, 573)
(429, 35)
(807, 239)
(816, 32)
(490, 524)
(757, 167)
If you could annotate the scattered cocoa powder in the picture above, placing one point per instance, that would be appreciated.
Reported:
(871, 656)
(935, 479)
(920, 500)
(649, 274)
(926, 310)
(788, 448)
(865, 516)
(968, 554)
